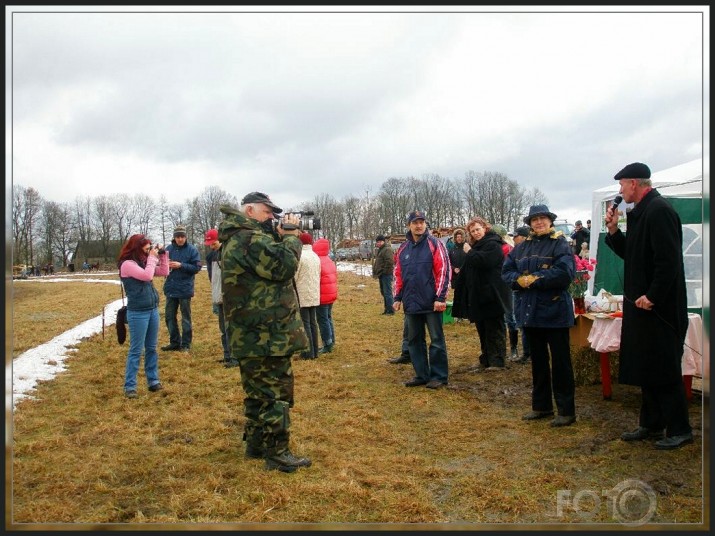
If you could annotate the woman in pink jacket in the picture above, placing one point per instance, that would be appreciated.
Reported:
(138, 263)
(328, 294)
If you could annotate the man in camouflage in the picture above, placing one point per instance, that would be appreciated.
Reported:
(264, 328)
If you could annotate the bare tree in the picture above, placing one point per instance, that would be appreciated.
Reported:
(143, 209)
(332, 220)
(83, 218)
(27, 205)
(60, 237)
(395, 200)
(103, 221)
(206, 208)
(351, 205)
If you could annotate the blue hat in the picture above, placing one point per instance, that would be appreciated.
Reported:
(539, 210)
(636, 170)
(416, 215)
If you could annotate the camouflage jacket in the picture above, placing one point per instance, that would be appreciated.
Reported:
(259, 299)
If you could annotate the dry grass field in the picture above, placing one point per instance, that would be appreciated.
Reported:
(384, 456)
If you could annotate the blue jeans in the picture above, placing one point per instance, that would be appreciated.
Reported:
(386, 291)
(173, 305)
(432, 366)
(218, 310)
(325, 324)
(143, 335)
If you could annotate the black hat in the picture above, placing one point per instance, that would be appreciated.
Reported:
(379, 237)
(522, 231)
(539, 210)
(259, 197)
(416, 215)
(636, 170)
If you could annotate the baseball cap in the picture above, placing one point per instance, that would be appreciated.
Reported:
(260, 197)
(210, 237)
(416, 215)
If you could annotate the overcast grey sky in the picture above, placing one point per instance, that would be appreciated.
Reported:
(300, 104)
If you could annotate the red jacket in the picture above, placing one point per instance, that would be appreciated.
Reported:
(328, 272)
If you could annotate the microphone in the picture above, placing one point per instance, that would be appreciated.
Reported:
(616, 201)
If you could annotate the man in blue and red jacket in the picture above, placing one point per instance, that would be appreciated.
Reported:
(422, 273)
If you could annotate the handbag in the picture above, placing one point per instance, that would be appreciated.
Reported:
(122, 320)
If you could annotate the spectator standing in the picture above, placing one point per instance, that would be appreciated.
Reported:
(184, 264)
(541, 269)
(422, 273)
(260, 302)
(138, 263)
(580, 235)
(328, 294)
(307, 281)
(456, 255)
(382, 269)
(509, 318)
(588, 225)
(213, 268)
(655, 313)
(521, 234)
(481, 295)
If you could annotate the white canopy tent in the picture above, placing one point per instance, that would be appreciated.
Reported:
(683, 185)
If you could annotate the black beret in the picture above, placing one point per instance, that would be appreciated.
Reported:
(636, 170)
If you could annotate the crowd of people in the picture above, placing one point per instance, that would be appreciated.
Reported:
(273, 291)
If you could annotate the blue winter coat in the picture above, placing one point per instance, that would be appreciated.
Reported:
(547, 302)
(180, 281)
(422, 273)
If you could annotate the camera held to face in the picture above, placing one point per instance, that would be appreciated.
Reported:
(307, 222)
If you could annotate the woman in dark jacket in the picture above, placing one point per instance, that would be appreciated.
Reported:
(540, 270)
(480, 295)
(137, 263)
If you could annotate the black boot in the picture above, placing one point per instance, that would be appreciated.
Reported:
(278, 455)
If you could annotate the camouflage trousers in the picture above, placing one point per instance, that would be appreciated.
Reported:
(268, 385)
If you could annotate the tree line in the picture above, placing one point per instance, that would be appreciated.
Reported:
(46, 231)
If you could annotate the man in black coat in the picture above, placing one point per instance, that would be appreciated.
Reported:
(655, 314)
(580, 235)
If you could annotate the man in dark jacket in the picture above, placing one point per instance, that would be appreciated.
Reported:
(655, 314)
(580, 235)
(422, 274)
(184, 264)
(382, 268)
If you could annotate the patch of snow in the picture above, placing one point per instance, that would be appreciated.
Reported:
(46, 360)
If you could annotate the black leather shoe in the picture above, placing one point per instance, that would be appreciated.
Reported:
(171, 348)
(156, 387)
(414, 382)
(533, 415)
(674, 442)
(641, 433)
(563, 420)
(400, 359)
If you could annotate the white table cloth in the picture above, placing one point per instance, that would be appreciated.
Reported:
(605, 336)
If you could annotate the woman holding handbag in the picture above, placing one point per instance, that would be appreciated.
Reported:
(138, 263)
